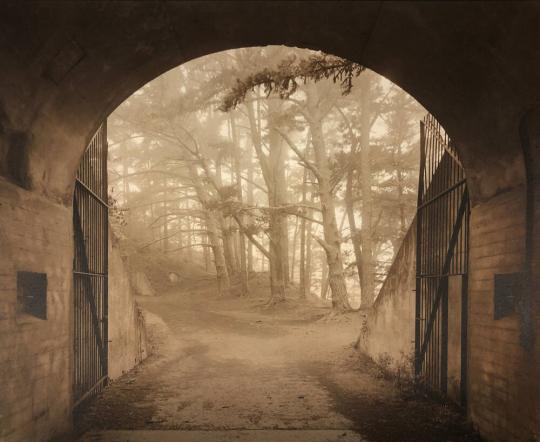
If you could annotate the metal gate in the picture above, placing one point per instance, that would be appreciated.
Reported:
(90, 268)
(441, 265)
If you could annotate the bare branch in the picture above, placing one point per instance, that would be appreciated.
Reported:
(176, 200)
(258, 186)
(144, 246)
(189, 246)
(195, 213)
(300, 154)
(251, 237)
(323, 244)
(150, 172)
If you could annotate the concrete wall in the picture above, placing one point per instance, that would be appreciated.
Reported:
(61, 77)
(141, 284)
(388, 331)
(455, 304)
(35, 354)
(504, 378)
(127, 333)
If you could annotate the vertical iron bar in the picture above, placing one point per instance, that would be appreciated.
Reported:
(106, 248)
(439, 251)
(444, 337)
(464, 339)
(90, 260)
(419, 247)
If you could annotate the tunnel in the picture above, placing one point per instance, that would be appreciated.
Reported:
(67, 66)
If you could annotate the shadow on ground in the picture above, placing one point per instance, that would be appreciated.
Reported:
(230, 369)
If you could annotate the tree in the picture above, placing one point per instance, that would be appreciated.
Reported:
(315, 107)
(224, 152)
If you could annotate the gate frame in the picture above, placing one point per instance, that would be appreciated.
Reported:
(91, 182)
(439, 241)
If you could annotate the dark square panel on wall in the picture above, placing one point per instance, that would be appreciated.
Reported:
(32, 293)
(506, 293)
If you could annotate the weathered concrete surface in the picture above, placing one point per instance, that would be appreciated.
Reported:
(35, 354)
(127, 332)
(474, 66)
(387, 334)
(225, 436)
(504, 378)
(455, 284)
(141, 284)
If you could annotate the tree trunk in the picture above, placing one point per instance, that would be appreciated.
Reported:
(206, 256)
(302, 264)
(277, 288)
(293, 257)
(400, 178)
(227, 236)
(225, 225)
(284, 237)
(355, 234)
(250, 200)
(332, 240)
(180, 238)
(244, 289)
(303, 228)
(213, 226)
(270, 166)
(306, 281)
(277, 276)
(277, 194)
(222, 275)
(367, 268)
(324, 279)
(165, 233)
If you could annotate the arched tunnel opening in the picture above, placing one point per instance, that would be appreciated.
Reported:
(270, 205)
(67, 66)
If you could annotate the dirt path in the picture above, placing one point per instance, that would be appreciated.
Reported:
(229, 364)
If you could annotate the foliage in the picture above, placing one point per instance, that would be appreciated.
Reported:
(284, 80)
(175, 158)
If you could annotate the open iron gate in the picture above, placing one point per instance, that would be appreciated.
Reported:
(441, 265)
(90, 268)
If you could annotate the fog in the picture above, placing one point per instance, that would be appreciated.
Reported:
(259, 197)
(278, 160)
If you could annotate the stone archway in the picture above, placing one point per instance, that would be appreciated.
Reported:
(86, 58)
(66, 66)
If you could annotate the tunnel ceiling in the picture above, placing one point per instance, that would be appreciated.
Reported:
(66, 66)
